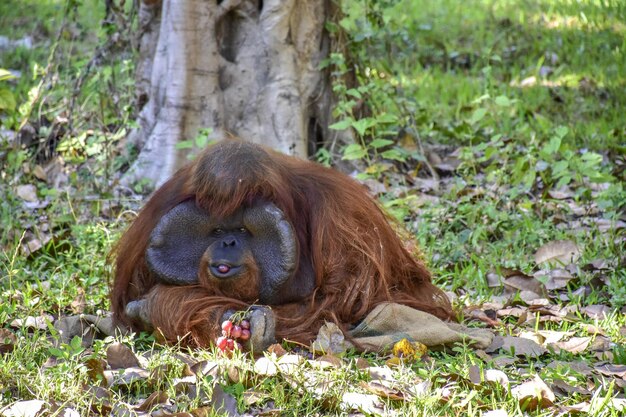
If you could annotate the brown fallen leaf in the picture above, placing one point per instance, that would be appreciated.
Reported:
(95, 371)
(265, 366)
(523, 282)
(495, 413)
(534, 395)
(125, 376)
(223, 403)
(79, 303)
(204, 368)
(156, 398)
(573, 345)
(554, 279)
(566, 389)
(330, 360)
(382, 391)
(27, 192)
(276, 349)
(559, 251)
(7, 341)
(597, 311)
(522, 347)
(30, 408)
(37, 323)
(612, 370)
(497, 377)
(367, 403)
(119, 356)
(252, 397)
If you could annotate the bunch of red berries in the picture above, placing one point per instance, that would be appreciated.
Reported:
(232, 335)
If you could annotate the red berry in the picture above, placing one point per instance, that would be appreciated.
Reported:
(230, 344)
(221, 343)
(227, 325)
(245, 324)
(245, 334)
(235, 332)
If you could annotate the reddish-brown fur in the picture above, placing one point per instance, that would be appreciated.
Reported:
(358, 259)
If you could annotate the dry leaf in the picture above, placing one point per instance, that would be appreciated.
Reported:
(276, 349)
(494, 280)
(252, 397)
(119, 356)
(381, 372)
(382, 391)
(524, 282)
(495, 413)
(7, 341)
(204, 368)
(79, 303)
(597, 311)
(522, 347)
(156, 398)
(366, 403)
(534, 395)
(125, 376)
(223, 403)
(574, 345)
(265, 366)
(612, 370)
(361, 363)
(27, 192)
(497, 377)
(330, 339)
(330, 360)
(31, 408)
(558, 251)
(565, 389)
(185, 385)
(288, 364)
(554, 279)
(37, 323)
(95, 371)
(40, 173)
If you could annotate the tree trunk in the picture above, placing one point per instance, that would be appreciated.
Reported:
(240, 67)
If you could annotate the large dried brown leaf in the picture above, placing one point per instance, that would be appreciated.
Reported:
(522, 347)
(7, 341)
(534, 395)
(31, 408)
(156, 398)
(223, 403)
(558, 251)
(367, 403)
(554, 279)
(383, 391)
(573, 345)
(597, 311)
(27, 192)
(37, 323)
(612, 370)
(119, 356)
(566, 389)
(265, 366)
(95, 371)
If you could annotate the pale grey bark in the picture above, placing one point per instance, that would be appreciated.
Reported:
(240, 67)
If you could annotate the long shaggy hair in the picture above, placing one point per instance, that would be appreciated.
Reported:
(357, 257)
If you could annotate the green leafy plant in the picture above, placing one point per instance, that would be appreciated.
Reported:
(7, 99)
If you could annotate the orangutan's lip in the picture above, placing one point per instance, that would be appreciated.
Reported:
(218, 269)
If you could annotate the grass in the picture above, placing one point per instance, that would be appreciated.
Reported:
(452, 73)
